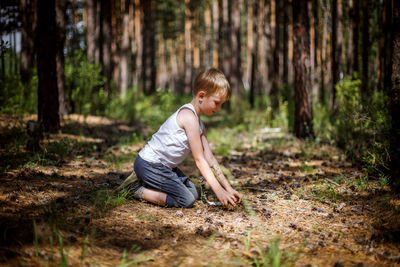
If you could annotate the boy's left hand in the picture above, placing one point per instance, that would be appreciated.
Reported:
(236, 194)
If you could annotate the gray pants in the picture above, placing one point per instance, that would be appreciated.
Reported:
(181, 192)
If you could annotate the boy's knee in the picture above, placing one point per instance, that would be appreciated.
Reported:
(187, 202)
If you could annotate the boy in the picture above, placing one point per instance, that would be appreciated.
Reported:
(159, 180)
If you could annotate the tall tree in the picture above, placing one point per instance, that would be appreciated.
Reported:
(188, 48)
(28, 19)
(394, 96)
(286, 22)
(105, 41)
(236, 61)
(215, 23)
(276, 62)
(388, 35)
(365, 50)
(124, 47)
(264, 45)
(226, 60)
(323, 53)
(254, 54)
(48, 115)
(91, 40)
(148, 42)
(61, 6)
(303, 127)
(336, 38)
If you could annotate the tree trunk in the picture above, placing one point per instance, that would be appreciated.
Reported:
(388, 39)
(250, 42)
(394, 96)
(286, 22)
(148, 56)
(188, 48)
(254, 55)
(336, 38)
(236, 61)
(48, 115)
(91, 41)
(61, 6)
(365, 51)
(106, 38)
(276, 64)
(28, 19)
(207, 53)
(226, 63)
(303, 127)
(323, 54)
(136, 42)
(264, 46)
(215, 17)
(124, 48)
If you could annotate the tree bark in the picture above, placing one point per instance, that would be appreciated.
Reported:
(124, 48)
(394, 96)
(322, 90)
(148, 55)
(28, 19)
(254, 55)
(336, 39)
(286, 22)
(215, 17)
(61, 6)
(188, 48)
(91, 40)
(207, 53)
(226, 63)
(388, 36)
(48, 115)
(236, 61)
(276, 64)
(303, 127)
(105, 40)
(264, 46)
(365, 50)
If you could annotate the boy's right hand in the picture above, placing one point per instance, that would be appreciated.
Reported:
(226, 198)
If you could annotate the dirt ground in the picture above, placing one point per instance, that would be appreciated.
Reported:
(305, 205)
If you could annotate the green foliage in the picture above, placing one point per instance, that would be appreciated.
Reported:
(106, 199)
(84, 83)
(16, 98)
(361, 128)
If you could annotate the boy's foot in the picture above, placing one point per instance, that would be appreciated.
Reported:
(135, 190)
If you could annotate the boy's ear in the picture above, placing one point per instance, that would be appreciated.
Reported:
(201, 94)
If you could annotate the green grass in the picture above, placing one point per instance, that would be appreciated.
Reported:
(306, 168)
(325, 192)
(105, 199)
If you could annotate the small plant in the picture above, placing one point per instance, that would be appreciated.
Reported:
(105, 199)
(306, 168)
(362, 183)
(125, 263)
(35, 238)
(325, 192)
(63, 255)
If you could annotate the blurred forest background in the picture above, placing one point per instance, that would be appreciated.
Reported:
(326, 70)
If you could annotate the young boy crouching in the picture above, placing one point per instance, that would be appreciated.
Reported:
(159, 180)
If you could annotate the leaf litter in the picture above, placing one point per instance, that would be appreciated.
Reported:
(303, 200)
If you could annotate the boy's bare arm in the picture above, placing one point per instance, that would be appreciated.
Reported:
(217, 169)
(187, 120)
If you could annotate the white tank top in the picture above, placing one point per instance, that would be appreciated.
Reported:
(169, 145)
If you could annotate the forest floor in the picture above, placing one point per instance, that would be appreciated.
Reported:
(305, 204)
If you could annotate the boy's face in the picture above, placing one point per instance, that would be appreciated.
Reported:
(210, 104)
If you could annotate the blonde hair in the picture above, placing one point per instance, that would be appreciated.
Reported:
(212, 81)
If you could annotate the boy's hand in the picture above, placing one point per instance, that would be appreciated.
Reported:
(226, 198)
(236, 194)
